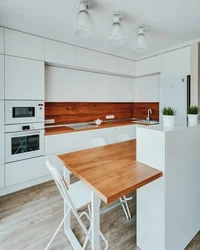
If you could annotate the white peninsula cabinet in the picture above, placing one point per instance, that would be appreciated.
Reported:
(176, 63)
(24, 45)
(24, 79)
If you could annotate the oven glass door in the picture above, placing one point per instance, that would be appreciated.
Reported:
(23, 112)
(24, 145)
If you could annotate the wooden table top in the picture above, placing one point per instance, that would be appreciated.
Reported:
(111, 171)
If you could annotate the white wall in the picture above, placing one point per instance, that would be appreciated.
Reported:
(67, 85)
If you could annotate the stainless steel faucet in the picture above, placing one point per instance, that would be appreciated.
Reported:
(149, 112)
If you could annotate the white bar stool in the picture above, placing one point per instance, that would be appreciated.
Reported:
(76, 196)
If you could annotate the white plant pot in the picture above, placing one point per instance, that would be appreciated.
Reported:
(192, 120)
(169, 121)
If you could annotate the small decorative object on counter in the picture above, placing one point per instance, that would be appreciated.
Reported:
(169, 117)
(193, 113)
(98, 122)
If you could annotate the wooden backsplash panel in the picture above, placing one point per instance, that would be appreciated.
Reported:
(74, 112)
(140, 110)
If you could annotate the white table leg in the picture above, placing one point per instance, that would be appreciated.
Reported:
(67, 224)
(95, 222)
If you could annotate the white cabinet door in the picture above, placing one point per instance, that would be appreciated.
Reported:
(1, 77)
(146, 89)
(2, 176)
(176, 63)
(57, 85)
(24, 45)
(24, 79)
(1, 40)
(1, 132)
(60, 53)
(148, 66)
(21, 171)
(93, 60)
(55, 144)
(125, 66)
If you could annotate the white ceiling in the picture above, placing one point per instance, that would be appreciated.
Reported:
(169, 22)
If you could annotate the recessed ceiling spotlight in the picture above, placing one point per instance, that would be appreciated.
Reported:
(141, 45)
(116, 34)
(84, 23)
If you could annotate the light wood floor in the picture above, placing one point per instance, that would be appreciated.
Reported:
(29, 218)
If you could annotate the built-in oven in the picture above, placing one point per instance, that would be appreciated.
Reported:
(17, 112)
(24, 141)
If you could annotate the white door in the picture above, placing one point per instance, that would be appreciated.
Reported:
(24, 79)
(173, 93)
(1, 132)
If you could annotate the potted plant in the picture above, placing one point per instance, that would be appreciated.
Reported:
(193, 112)
(169, 117)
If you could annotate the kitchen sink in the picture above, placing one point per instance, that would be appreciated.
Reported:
(79, 126)
(152, 122)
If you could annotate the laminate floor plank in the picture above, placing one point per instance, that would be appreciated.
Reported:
(29, 218)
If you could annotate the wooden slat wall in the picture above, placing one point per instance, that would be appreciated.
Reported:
(140, 110)
(75, 112)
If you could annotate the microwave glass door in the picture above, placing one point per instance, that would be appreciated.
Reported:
(23, 112)
(24, 144)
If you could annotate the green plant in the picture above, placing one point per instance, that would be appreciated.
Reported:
(169, 111)
(193, 110)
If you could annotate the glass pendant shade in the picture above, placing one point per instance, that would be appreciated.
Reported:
(83, 26)
(141, 41)
(116, 34)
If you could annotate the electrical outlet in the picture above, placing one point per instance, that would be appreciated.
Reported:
(110, 117)
(50, 121)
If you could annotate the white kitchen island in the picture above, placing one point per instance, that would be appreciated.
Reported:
(168, 209)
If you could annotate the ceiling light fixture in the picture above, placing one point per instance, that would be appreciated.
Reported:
(141, 41)
(116, 34)
(83, 26)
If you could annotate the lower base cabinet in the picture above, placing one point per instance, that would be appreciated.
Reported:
(2, 184)
(22, 171)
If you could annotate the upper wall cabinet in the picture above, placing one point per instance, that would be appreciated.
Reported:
(93, 60)
(125, 66)
(176, 63)
(97, 61)
(1, 77)
(24, 45)
(148, 66)
(24, 79)
(59, 53)
(146, 89)
(1, 40)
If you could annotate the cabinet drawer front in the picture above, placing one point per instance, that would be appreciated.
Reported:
(1, 132)
(24, 45)
(24, 79)
(21, 171)
(1, 176)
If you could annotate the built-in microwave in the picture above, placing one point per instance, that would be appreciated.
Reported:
(18, 112)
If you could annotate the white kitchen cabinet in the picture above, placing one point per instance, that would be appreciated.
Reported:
(176, 63)
(24, 79)
(1, 40)
(2, 176)
(130, 130)
(148, 66)
(1, 132)
(125, 66)
(57, 85)
(88, 59)
(146, 89)
(59, 53)
(24, 45)
(1, 77)
(21, 171)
